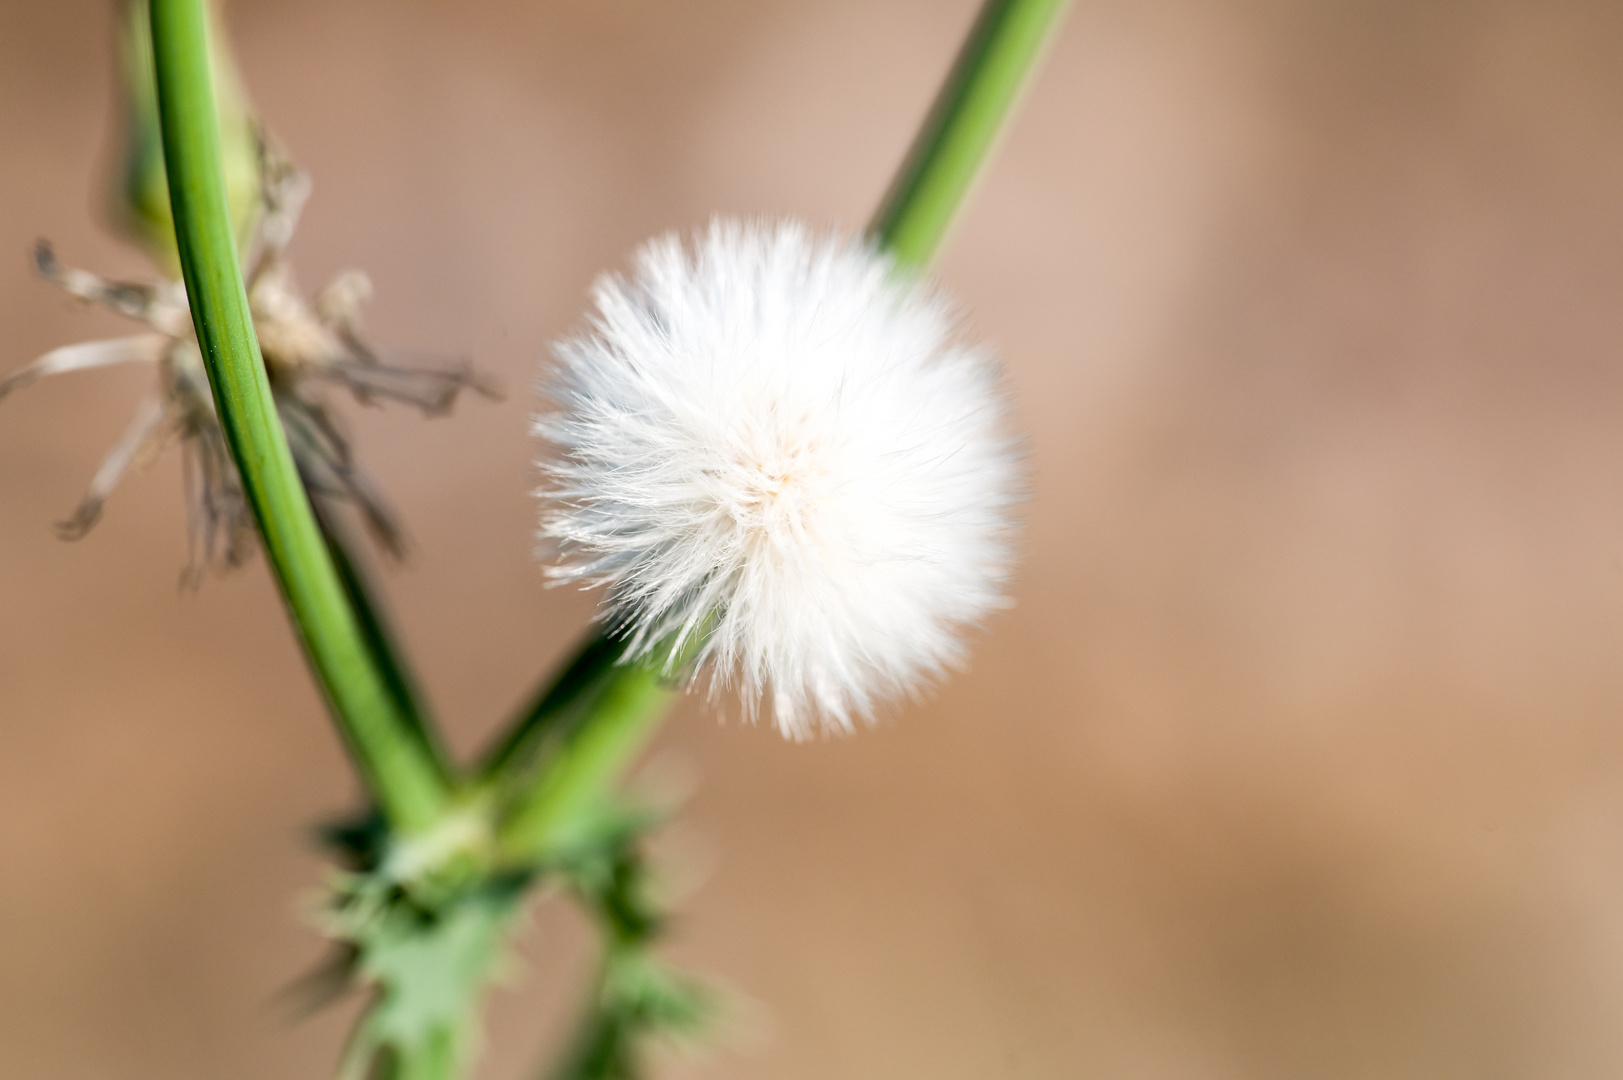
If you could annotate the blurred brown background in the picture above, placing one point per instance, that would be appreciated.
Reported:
(1301, 754)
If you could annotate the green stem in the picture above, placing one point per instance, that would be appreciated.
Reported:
(404, 779)
(380, 638)
(623, 717)
(962, 126)
(553, 705)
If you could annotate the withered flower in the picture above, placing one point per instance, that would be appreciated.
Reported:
(305, 343)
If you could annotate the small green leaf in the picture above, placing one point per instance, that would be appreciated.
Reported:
(431, 971)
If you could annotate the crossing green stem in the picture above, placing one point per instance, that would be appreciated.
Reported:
(398, 769)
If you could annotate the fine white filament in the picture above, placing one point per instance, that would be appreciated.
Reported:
(775, 444)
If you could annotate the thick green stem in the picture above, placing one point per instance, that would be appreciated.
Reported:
(970, 110)
(407, 783)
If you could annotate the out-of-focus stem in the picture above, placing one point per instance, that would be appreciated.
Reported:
(397, 768)
(552, 705)
(577, 774)
(140, 195)
(962, 126)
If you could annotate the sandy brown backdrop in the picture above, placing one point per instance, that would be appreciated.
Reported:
(1301, 754)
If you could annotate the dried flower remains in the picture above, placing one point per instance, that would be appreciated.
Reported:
(304, 344)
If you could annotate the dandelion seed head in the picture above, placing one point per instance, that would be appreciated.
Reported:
(774, 442)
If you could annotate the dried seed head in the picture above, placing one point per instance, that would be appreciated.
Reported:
(304, 345)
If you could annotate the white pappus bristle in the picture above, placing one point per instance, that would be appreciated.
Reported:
(776, 441)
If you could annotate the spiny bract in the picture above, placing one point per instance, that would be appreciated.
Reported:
(776, 444)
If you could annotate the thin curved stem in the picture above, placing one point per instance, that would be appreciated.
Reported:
(408, 784)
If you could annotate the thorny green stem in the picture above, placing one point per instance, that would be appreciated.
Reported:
(398, 770)
(956, 138)
(962, 126)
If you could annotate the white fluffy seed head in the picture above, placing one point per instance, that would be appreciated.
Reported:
(776, 443)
